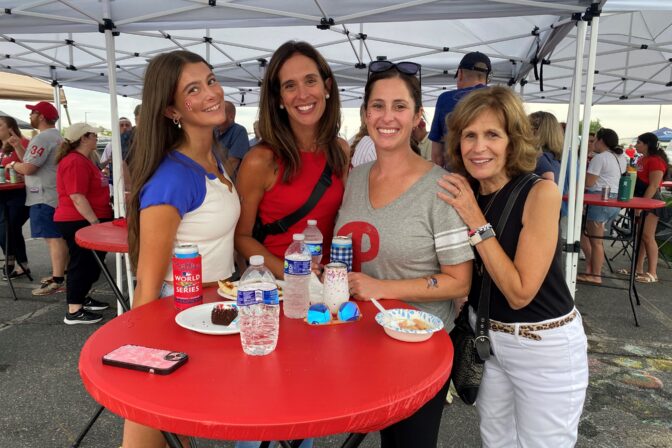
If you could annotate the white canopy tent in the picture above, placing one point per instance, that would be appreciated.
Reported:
(77, 42)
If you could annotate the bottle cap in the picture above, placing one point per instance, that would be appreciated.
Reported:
(312, 222)
(256, 260)
(299, 237)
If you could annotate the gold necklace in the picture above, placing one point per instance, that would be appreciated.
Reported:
(492, 200)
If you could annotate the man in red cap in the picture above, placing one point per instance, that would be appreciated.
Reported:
(472, 73)
(37, 164)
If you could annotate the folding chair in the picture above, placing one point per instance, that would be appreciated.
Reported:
(619, 229)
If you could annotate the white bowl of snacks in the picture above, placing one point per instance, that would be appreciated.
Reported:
(409, 325)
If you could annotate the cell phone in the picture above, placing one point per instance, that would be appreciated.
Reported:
(145, 359)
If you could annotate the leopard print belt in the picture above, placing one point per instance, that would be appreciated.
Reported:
(529, 330)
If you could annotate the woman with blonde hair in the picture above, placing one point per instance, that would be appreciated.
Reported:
(534, 382)
(549, 136)
(83, 200)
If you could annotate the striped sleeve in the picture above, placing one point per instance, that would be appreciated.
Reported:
(451, 235)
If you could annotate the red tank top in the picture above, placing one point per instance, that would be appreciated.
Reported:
(284, 198)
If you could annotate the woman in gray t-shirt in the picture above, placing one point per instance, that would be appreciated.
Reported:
(408, 244)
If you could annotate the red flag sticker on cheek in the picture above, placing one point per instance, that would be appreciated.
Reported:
(187, 103)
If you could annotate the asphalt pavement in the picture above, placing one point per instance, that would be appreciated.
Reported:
(629, 404)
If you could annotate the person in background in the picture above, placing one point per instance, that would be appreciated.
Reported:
(83, 200)
(179, 188)
(421, 257)
(256, 139)
(421, 137)
(605, 170)
(125, 125)
(299, 118)
(15, 201)
(472, 74)
(37, 164)
(232, 137)
(534, 383)
(549, 144)
(362, 149)
(650, 174)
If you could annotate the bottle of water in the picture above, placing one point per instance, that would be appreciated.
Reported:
(258, 309)
(297, 278)
(314, 241)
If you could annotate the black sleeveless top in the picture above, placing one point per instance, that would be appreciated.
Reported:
(553, 299)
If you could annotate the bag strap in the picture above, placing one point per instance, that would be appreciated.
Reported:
(483, 313)
(283, 224)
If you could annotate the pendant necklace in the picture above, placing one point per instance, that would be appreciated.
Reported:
(478, 262)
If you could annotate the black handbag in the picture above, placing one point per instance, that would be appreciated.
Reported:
(260, 230)
(472, 349)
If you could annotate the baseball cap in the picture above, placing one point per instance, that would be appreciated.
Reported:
(77, 131)
(46, 109)
(475, 61)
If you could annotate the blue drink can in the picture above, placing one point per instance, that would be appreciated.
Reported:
(341, 251)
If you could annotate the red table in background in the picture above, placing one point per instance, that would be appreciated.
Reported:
(4, 188)
(320, 380)
(106, 237)
(634, 204)
(667, 184)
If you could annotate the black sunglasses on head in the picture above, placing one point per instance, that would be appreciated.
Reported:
(407, 68)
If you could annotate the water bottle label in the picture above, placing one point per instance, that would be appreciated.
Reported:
(297, 267)
(271, 297)
(255, 296)
(315, 249)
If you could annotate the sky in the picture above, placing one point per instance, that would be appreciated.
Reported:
(93, 107)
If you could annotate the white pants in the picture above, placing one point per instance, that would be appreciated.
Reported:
(532, 392)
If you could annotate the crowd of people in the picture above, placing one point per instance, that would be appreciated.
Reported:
(421, 234)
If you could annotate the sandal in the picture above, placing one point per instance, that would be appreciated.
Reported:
(646, 277)
(587, 279)
(623, 271)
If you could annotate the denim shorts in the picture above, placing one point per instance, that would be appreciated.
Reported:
(42, 222)
(601, 214)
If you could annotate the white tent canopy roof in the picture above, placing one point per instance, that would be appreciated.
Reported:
(62, 41)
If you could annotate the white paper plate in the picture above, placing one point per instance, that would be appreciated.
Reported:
(198, 318)
(280, 283)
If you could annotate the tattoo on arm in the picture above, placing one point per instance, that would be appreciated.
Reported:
(432, 282)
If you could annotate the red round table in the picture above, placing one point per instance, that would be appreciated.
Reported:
(106, 237)
(320, 380)
(666, 184)
(632, 205)
(5, 188)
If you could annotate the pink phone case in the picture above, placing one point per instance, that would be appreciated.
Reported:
(152, 360)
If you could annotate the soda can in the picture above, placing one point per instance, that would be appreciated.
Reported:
(335, 291)
(606, 191)
(3, 174)
(187, 276)
(12, 176)
(341, 251)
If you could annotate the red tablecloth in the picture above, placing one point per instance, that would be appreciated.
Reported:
(9, 186)
(105, 237)
(319, 380)
(667, 184)
(635, 203)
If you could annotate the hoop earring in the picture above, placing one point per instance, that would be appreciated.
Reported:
(176, 122)
(282, 107)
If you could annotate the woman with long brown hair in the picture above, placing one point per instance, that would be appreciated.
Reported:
(10, 138)
(299, 119)
(83, 200)
(180, 191)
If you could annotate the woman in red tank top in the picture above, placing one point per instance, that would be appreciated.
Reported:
(299, 118)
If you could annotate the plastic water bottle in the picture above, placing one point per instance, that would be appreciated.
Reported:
(258, 309)
(297, 278)
(314, 241)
